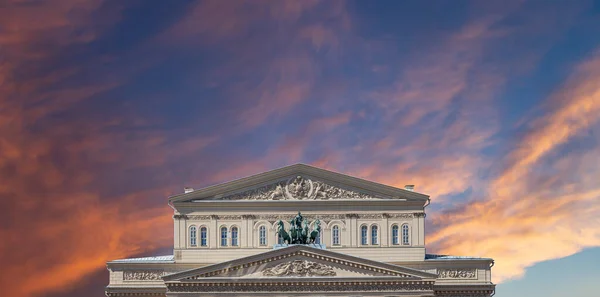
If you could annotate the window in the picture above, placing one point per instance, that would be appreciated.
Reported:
(203, 236)
(374, 237)
(405, 234)
(262, 235)
(363, 235)
(318, 239)
(223, 236)
(279, 239)
(395, 234)
(193, 236)
(234, 236)
(335, 235)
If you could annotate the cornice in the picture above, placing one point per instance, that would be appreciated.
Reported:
(295, 204)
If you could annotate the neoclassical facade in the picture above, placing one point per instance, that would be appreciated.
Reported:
(372, 243)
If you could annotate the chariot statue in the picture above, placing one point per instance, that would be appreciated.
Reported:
(300, 231)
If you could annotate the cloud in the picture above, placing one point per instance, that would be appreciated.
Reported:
(544, 205)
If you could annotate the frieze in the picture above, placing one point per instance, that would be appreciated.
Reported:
(400, 215)
(275, 217)
(299, 268)
(199, 217)
(298, 188)
(143, 275)
(215, 217)
(180, 217)
(457, 273)
(297, 286)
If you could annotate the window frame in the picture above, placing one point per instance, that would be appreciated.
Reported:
(203, 238)
(407, 236)
(224, 239)
(335, 236)
(376, 228)
(193, 240)
(237, 236)
(364, 236)
(395, 235)
(262, 235)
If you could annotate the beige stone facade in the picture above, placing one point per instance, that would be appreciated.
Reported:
(225, 243)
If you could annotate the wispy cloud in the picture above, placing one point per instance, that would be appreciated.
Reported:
(543, 206)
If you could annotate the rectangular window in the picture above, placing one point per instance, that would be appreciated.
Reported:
(234, 236)
(336, 235)
(262, 235)
(203, 237)
(223, 236)
(363, 235)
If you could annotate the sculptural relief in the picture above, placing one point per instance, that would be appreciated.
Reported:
(299, 268)
(298, 188)
(457, 273)
(143, 275)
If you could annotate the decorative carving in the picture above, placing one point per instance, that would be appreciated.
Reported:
(143, 275)
(180, 216)
(299, 268)
(419, 214)
(298, 188)
(457, 273)
(351, 216)
(215, 217)
(199, 217)
(400, 215)
(389, 286)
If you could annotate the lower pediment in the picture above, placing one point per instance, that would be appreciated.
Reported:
(298, 262)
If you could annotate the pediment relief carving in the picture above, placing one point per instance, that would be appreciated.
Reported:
(299, 268)
(299, 188)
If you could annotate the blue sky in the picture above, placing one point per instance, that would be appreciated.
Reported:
(109, 107)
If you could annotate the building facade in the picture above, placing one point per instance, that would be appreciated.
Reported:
(371, 243)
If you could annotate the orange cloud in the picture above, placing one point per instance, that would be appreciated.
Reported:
(526, 219)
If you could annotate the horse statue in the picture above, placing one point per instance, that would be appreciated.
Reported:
(305, 232)
(316, 231)
(281, 232)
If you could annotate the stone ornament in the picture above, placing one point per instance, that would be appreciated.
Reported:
(143, 275)
(457, 273)
(298, 188)
(299, 268)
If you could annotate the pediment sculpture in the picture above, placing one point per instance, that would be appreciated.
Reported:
(299, 268)
(298, 188)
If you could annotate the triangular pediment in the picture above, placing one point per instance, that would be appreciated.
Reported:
(299, 262)
(298, 182)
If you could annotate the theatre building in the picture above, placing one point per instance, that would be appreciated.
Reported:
(300, 231)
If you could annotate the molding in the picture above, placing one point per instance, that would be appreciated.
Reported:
(294, 285)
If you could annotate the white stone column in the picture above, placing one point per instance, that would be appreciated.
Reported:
(353, 229)
(214, 239)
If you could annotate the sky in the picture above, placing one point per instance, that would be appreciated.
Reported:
(109, 107)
